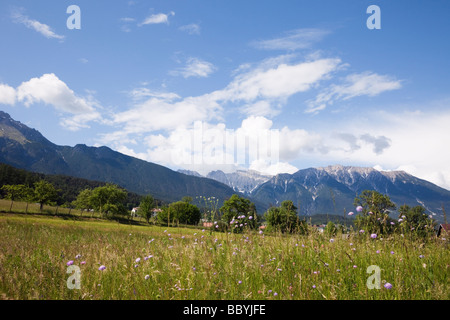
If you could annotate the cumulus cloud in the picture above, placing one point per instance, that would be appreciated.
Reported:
(354, 85)
(37, 26)
(378, 143)
(157, 18)
(263, 108)
(279, 81)
(195, 68)
(49, 89)
(7, 94)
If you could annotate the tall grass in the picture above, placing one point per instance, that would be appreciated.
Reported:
(181, 263)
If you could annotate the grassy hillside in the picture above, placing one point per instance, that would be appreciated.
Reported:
(158, 263)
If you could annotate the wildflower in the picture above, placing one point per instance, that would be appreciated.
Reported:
(146, 277)
(392, 222)
(83, 262)
(421, 256)
(138, 260)
(150, 256)
(260, 232)
(355, 266)
(70, 263)
(351, 213)
(331, 240)
(361, 231)
(378, 251)
(400, 220)
(392, 252)
(269, 291)
(338, 270)
(279, 269)
(102, 268)
(373, 235)
(359, 208)
(388, 286)
(250, 217)
(239, 282)
(136, 265)
(275, 294)
(78, 256)
(370, 212)
(314, 286)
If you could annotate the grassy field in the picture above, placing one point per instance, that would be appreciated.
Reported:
(154, 262)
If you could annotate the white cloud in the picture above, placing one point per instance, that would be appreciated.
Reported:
(195, 68)
(42, 28)
(280, 81)
(412, 141)
(191, 29)
(163, 113)
(157, 18)
(272, 168)
(261, 108)
(293, 40)
(354, 85)
(49, 89)
(7, 94)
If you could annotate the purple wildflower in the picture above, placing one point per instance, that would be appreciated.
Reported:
(359, 208)
(70, 263)
(102, 268)
(388, 285)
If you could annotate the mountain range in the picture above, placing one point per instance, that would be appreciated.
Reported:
(26, 148)
(243, 181)
(325, 190)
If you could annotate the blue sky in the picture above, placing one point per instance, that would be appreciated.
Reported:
(206, 85)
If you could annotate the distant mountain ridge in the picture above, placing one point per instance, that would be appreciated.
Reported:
(26, 148)
(243, 181)
(332, 189)
(324, 190)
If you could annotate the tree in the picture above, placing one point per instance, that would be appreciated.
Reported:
(239, 212)
(83, 201)
(375, 212)
(285, 218)
(181, 212)
(44, 193)
(16, 192)
(146, 207)
(415, 220)
(109, 199)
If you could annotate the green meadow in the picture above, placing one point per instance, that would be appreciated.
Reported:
(57, 257)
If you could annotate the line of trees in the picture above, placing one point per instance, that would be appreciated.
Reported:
(43, 193)
(236, 214)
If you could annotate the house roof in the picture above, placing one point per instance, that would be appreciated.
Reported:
(445, 226)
